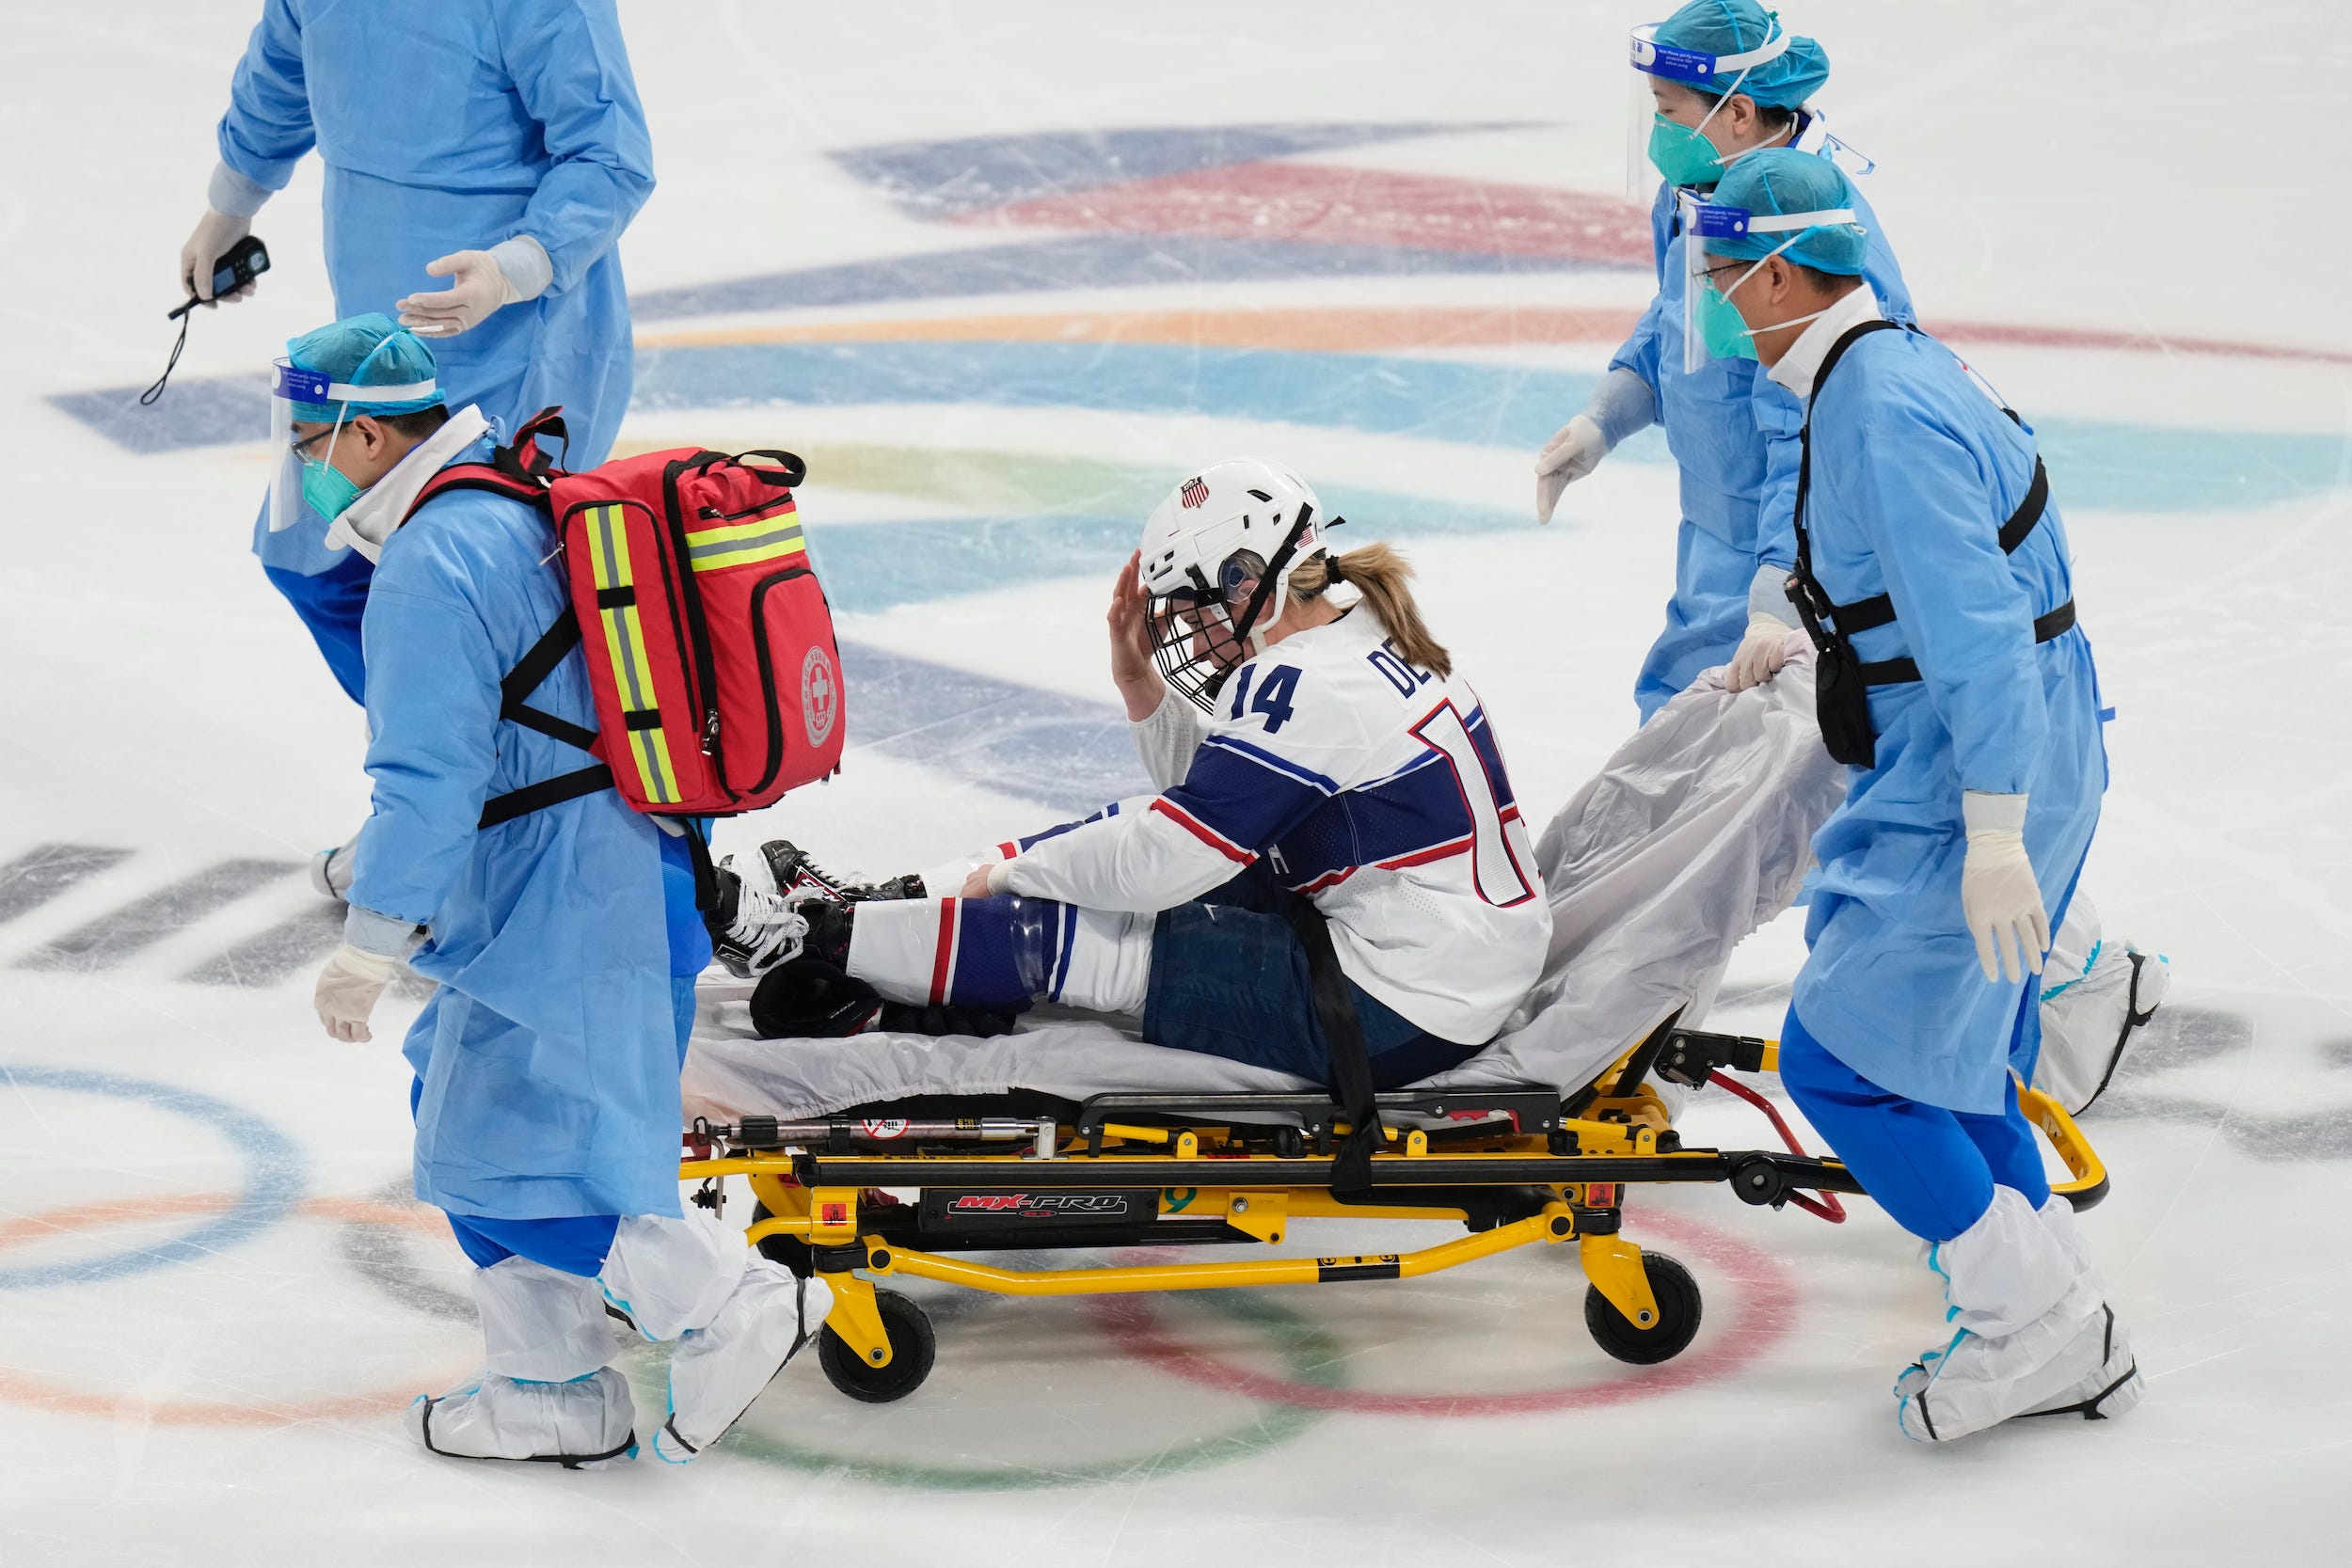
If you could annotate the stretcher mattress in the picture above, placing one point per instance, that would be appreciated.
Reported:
(1698, 829)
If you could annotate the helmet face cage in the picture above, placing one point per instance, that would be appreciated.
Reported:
(1196, 642)
(1201, 631)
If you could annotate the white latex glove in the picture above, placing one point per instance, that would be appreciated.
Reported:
(1568, 457)
(347, 990)
(214, 234)
(1761, 653)
(479, 288)
(1998, 895)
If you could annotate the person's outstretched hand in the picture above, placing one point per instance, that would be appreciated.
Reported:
(478, 287)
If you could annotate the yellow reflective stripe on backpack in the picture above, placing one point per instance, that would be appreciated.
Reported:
(742, 544)
(625, 638)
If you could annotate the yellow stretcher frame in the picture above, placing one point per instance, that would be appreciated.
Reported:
(1623, 1139)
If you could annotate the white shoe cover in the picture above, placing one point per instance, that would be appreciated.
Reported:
(2049, 1366)
(670, 1272)
(2029, 1322)
(2111, 1390)
(540, 1324)
(584, 1424)
(716, 1372)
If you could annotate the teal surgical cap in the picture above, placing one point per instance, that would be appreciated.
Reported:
(1720, 28)
(372, 349)
(1777, 181)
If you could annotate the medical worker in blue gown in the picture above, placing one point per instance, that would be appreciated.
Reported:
(564, 942)
(1721, 79)
(482, 158)
(1976, 769)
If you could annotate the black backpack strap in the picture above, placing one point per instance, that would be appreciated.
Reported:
(1841, 701)
(1896, 672)
(525, 459)
(547, 792)
(519, 684)
(1879, 609)
(1344, 1034)
(535, 667)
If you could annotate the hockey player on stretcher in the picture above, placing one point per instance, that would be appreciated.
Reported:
(1345, 760)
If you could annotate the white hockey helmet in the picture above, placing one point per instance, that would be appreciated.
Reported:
(1218, 556)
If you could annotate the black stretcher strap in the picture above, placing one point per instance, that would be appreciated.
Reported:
(1344, 1034)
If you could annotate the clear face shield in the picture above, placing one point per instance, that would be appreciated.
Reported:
(1712, 327)
(302, 476)
(1655, 146)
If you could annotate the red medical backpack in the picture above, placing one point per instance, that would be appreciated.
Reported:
(709, 644)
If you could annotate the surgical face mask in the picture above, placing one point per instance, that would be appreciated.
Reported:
(1682, 153)
(1728, 337)
(327, 489)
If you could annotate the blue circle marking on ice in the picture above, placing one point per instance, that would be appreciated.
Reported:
(275, 1177)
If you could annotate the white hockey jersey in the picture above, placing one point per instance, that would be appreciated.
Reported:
(1375, 788)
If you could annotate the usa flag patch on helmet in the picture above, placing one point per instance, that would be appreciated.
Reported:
(1194, 493)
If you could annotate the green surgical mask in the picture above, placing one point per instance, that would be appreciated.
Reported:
(327, 490)
(1682, 155)
(1721, 328)
(1725, 336)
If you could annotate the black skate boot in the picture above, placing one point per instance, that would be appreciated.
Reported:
(752, 930)
(796, 873)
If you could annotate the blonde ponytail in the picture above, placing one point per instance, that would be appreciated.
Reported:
(1381, 576)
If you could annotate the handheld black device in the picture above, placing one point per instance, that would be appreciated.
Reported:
(240, 264)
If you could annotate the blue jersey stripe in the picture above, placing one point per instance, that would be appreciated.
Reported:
(1279, 764)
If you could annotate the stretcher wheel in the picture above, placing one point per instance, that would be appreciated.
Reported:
(912, 1348)
(1677, 1322)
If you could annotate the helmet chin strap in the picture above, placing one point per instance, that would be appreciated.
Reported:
(1269, 582)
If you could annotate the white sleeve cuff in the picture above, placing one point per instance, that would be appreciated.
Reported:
(232, 195)
(524, 261)
(1621, 405)
(380, 934)
(1768, 596)
(1981, 813)
(1000, 875)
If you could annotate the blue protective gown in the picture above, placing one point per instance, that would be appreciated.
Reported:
(1732, 431)
(444, 127)
(1914, 470)
(550, 1055)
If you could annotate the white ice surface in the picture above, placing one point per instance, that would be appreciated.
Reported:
(2173, 169)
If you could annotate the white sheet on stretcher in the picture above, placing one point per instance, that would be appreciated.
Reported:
(1696, 832)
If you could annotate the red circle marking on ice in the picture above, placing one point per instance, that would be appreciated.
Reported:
(1767, 1297)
